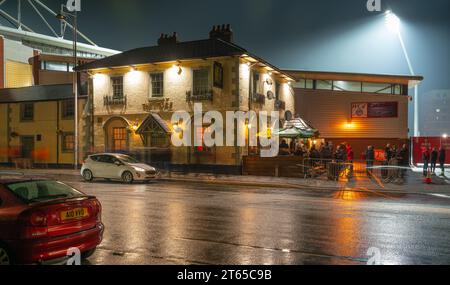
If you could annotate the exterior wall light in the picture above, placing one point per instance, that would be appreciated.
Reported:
(177, 68)
(445, 136)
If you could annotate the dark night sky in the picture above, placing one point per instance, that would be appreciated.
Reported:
(296, 34)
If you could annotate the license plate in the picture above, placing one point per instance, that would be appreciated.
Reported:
(74, 214)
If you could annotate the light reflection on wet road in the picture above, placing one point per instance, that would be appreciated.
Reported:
(185, 223)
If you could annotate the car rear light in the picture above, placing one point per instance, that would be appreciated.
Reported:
(34, 224)
(97, 209)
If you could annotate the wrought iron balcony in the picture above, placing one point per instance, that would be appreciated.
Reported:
(280, 105)
(114, 101)
(199, 95)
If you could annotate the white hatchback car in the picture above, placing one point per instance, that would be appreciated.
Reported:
(117, 167)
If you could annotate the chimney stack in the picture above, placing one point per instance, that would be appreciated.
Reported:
(165, 39)
(223, 32)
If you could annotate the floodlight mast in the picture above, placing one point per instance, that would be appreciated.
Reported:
(393, 23)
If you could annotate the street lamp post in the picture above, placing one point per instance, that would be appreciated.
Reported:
(63, 17)
(393, 24)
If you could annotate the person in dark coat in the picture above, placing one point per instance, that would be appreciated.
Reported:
(388, 153)
(326, 152)
(426, 156)
(442, 160)
(314, 153)
(403, 156)
(370, 159)
(434, 159)
(284, 148)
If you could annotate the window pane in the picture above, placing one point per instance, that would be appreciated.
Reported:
(36, 191)
(68, 109)
(68, 143)
(201, 81)
(56, 66)
(157, 84)
(117, 83)
(300, 84)
(351, 86)
(324, 85)
(377, 88)
(27, 110)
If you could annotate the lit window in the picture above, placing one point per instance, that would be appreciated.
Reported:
(68, 142)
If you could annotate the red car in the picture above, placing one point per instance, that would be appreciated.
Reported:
(41, 219)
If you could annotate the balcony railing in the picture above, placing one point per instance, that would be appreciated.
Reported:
(114, 101)
(200, 95)
(280, 105)
(259, 98)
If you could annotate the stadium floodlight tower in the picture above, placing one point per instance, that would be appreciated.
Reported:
(393, 23)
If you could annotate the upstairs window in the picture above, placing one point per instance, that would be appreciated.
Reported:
(256, 84)
(201, 82)
(117, 85)
(68, 109)
(27, 112)
(157, 84)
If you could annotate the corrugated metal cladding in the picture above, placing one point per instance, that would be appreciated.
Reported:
(330, 113)
(18, 74)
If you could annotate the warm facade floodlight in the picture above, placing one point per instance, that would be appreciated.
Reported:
(392, 22)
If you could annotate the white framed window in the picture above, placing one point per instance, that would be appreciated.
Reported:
(201, 81)
(157, 84)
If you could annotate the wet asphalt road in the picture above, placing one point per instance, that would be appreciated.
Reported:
(189, 223)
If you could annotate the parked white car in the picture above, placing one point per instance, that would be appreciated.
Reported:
(116, 167)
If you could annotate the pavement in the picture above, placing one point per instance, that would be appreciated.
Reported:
(413, 184)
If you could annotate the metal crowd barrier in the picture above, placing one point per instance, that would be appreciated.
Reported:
(336, 170)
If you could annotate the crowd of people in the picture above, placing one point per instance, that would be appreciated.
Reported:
(431, 157)
(343, 153)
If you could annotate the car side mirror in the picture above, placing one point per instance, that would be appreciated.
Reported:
(118, 163)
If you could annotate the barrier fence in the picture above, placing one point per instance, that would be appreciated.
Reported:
(336, 170)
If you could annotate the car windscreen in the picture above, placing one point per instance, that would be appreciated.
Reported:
(127, 159)
(43, 191)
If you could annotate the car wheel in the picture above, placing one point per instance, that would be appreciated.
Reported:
(87, 175)
(127, 177)
(5, 259)
(87, 254)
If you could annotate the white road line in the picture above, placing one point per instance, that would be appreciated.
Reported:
(440, 196)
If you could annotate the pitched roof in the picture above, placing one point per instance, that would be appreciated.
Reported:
(156, 118)
(37, 93)
(166, 53)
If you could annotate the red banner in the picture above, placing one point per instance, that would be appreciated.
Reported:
(421, 143)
